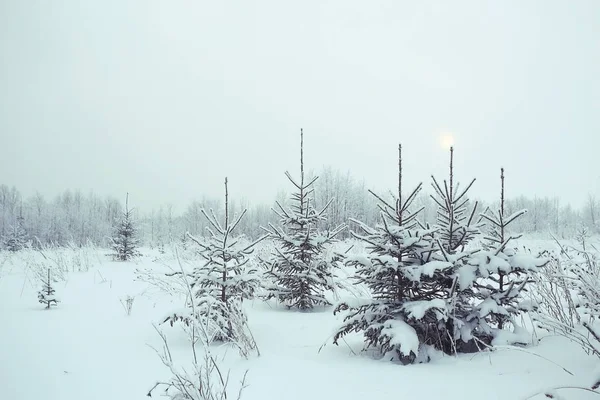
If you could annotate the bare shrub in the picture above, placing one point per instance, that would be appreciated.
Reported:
(569, 296)
(205, 381)
(127, 304)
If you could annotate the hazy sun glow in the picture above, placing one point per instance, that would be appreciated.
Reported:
(446, 140)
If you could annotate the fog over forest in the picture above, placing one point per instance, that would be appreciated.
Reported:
(76, 217)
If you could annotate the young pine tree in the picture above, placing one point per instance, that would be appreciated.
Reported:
(300, 271)
(455, 230)
(223, 280)
(125, 241)
(16, 238)
(454, 221)
(46, 294)
(503, 272)
(407, 303)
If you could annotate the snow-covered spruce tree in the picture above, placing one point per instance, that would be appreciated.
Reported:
(408, 300)
(16, 238)
(125, 241)
(47, 294)
(483, 289)
(300, 271)
(222, 281)
(184, 241)
(504, 273)
(455, 229)
(454, 221)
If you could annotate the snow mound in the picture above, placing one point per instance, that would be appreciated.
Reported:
(401, 335)
(519, 335)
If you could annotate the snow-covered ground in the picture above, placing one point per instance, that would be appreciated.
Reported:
(89, 348)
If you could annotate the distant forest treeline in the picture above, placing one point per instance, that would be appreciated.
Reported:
(76, 218)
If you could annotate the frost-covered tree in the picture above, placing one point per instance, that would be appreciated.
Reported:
(184, 241)
(300, 270)
(592, 213)
(125, 241)
(224, 279)
(16, 239)
(486, 281)
(454, 221)
(456, 228)
(504, 272)
(47, 294)
(408, 300)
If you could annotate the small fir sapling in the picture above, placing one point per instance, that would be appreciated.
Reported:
(16, 239)
(454, 221)
(455, 230)
(503, 271)
(47, 294)
(222, 281)
(485, 292)
(125, 242)
(300, 270)
(184, 242)
(407, 304)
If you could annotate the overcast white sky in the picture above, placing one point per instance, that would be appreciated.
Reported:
(165, 98)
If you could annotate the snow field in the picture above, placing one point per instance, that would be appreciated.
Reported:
(88, 348)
